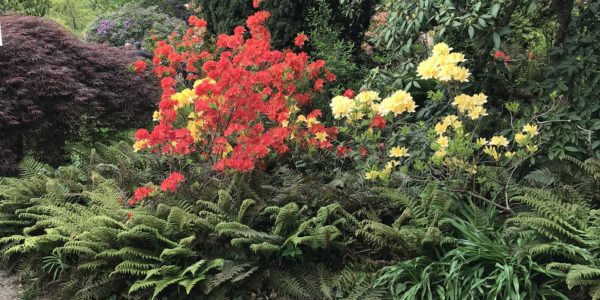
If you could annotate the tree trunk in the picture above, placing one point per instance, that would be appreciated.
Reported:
(563, 9)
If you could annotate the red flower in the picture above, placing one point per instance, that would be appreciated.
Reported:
(300, 39)
(129, 215)
(501, 56)
(256, 3)
(362, 150)
(139, 66)
(170, 183)
(349, 93)
(342, 150)
(378, 122)
(140, 193)
(319, 84)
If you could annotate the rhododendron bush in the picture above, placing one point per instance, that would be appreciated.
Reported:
(237, 104)
(381, 132)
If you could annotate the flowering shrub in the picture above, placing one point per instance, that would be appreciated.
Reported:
(376, 126)
(245, 101)
(133, 23)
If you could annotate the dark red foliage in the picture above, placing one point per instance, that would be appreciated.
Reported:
(50, 81)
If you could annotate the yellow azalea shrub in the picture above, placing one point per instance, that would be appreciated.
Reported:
(375, 127)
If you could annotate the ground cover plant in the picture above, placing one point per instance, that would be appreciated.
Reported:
(265, 175)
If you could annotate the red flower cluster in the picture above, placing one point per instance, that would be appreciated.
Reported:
(300, 39)
(378, 122)
(140, 194)
(139, 66)
(247, 105)
(171, 183)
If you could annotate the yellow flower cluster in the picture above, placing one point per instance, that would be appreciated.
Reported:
(366, 102)
(491, 147)
(471, 105)
(443, 65)
(309, 121)
(184, 98)
(139, 145)
(449, 121)
(440, 129)
(367, 97)
(382, 174)
(342, 106)
(527, 133)
(397, 103)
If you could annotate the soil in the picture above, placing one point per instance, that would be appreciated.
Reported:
(9, 286)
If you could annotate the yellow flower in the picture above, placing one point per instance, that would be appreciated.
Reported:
(285, 123)
(194, 127)
(461, 74)
(491, 151)
(200, 81)
(509, 154)
(375, 107)
(471, 105)
(356, 116)
(342, 106)
(462, 102)
(532, 148)
(300, 118)
(321, 136)
(184, 97)
(311, 121)
(440, 128)
(367, 97)
(477, 112)
(479, 99)
(228, 149)
(139, 145)
(156, 116)
(398, 152)
(452, 120)
(499, 141)
(521, 139)
(441, 49)
(371, 175)
(442, 141)
(397, 103)
(427, 69)
(439, 154)
(391, 164)
(531, 130)
(481, 142)
(445, 72)
(455, 58)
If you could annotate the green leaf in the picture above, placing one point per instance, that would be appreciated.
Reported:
(496, 38)
(495, 10)
(572, 149)
(471, 31)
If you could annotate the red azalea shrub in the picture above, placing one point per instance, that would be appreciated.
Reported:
(247, 104)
